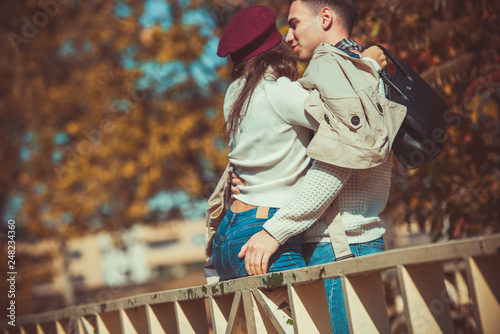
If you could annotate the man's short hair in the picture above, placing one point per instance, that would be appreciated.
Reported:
(347, 10)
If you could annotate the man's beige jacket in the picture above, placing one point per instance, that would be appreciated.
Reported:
(357, 125)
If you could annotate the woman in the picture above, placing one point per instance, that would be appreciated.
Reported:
(269, 132)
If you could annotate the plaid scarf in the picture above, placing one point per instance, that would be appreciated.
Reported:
(349, 44)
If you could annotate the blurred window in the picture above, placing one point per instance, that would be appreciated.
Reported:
(75, 255)
(198, 239)
(163, 243)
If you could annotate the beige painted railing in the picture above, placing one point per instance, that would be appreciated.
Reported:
(295, 301)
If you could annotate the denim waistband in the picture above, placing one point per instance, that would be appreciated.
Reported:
(231, 215)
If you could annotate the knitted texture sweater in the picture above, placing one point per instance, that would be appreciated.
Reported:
(362, 195)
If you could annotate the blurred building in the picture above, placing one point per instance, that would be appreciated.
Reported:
(97, 267)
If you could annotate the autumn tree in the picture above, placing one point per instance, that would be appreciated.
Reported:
(103, 107)
(100, 146)
(455, 47)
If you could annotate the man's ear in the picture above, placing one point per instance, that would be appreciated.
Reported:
(327, 18)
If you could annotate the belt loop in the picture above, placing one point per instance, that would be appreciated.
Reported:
(262, 212)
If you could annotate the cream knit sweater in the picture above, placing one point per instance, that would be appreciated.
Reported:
(269, 148)
(362, 195)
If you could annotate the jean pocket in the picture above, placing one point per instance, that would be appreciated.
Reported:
(287, 261)
(376, 244)
(235, 263)
(371, 247)
(215, 256)
(279, 262)
(244, 232)
(216, 242)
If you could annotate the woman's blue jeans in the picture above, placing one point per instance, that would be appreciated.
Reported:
(320, 253)
(235, 230)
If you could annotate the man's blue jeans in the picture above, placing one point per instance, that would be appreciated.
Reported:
(235, 230)
(320, 253)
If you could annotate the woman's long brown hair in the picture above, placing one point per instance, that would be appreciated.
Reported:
(281, 62)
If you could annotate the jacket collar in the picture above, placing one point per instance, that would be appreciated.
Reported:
(326, 48)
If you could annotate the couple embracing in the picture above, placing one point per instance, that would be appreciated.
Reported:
(312, 156)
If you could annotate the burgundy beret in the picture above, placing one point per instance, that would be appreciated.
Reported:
(250, 32)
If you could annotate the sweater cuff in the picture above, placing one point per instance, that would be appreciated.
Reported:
(277, 231)
(374, 62)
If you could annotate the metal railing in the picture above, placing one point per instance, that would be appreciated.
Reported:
(295, 301)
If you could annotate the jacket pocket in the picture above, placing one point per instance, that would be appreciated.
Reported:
(348, 110)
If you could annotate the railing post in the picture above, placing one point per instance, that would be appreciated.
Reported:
(276, 306)
(126, 324)
(462, 289)
(162, 318)
(365, 303)
(309, 307)
(484, 278)
(425, 298)
(220, 309)
(236, 321)
(85, 327)
(256, 323)
(61, 325)
(191, 316)
(109, 323)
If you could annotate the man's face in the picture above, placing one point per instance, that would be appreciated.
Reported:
(304, 31)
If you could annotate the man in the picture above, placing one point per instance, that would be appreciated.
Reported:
(349, 179)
